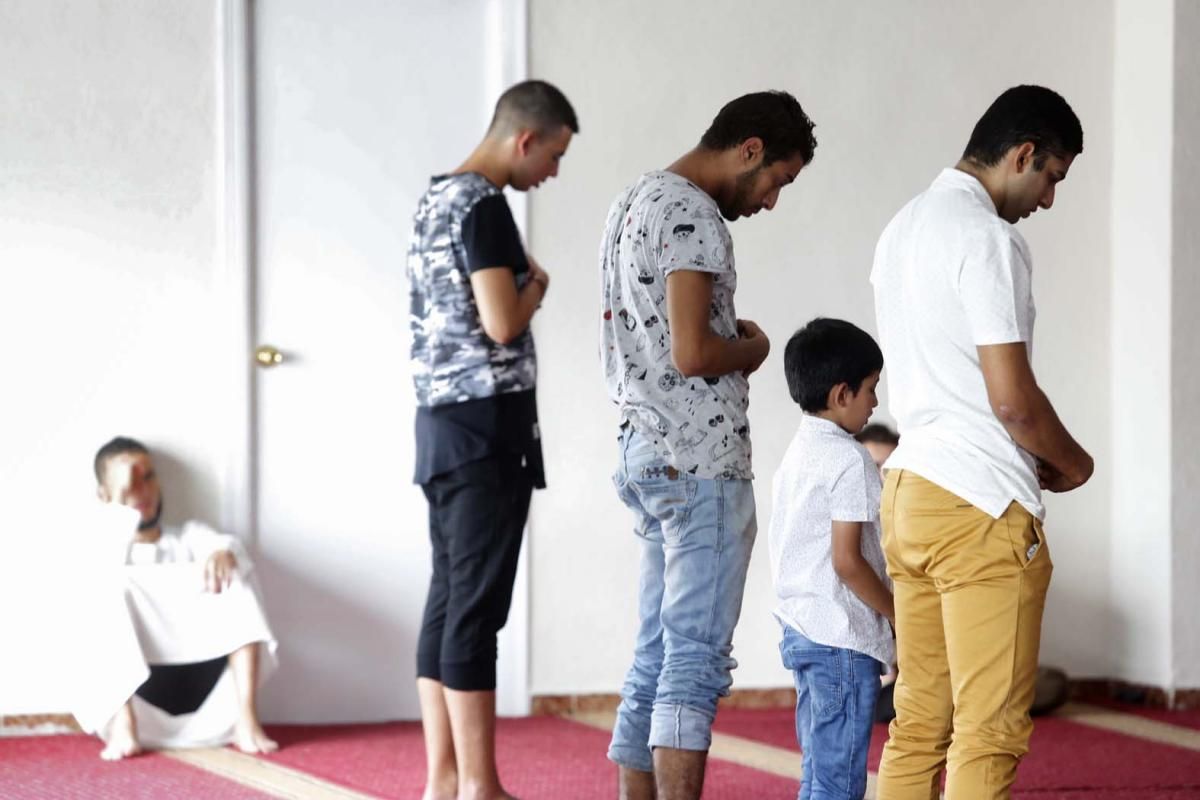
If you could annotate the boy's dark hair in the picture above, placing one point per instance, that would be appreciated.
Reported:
(1025, 114)
(533, 104)
(824, 353)
(879, 433)
(116, 447)
(775, 117)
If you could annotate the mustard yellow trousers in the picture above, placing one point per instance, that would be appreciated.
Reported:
(970, 591)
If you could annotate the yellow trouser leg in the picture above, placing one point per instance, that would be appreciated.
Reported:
(991, 599)
(915, 753)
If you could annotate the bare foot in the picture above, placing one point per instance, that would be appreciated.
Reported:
(444, 793)
(249, 737)
(480, 794)
(116, 749)
(122, 740)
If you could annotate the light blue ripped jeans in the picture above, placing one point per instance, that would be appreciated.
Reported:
(696, 537)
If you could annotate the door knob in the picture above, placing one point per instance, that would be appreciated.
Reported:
(268, 356)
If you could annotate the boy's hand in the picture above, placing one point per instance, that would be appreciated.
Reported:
(750, 332)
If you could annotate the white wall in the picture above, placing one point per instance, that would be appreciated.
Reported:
(1185, 334)
(894, 89)
(1143, 100)
(112, 306)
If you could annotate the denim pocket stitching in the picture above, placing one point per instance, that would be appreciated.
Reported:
(833, 695)
(684, 513)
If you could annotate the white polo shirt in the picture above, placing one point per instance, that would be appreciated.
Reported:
(950, 275)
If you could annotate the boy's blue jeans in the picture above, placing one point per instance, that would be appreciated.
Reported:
(836, 690)
(696, 536)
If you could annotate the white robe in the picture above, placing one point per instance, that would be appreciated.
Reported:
(154, 610)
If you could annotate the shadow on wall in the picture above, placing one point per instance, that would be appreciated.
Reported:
(1081, 634)
(321, 664)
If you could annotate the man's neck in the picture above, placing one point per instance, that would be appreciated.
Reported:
(701, 168)
(148, 536)
(986, 176)
(487, 160)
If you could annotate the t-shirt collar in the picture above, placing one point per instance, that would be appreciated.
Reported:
(953, 177)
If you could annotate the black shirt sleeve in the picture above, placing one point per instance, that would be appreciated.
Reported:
(491, 238)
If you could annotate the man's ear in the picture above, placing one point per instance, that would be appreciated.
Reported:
(524, 142)
(102, 493)
(752, 150)
(1022, 158)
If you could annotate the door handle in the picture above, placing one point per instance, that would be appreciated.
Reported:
(267, 356)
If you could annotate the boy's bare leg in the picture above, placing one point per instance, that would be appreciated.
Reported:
(441, 768)
(636, 785)
(122, 735)
(679, 774)
(473, 724)
(248, 735)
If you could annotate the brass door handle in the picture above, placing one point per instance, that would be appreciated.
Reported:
(268, 356)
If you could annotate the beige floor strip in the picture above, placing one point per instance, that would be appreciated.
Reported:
(265, 776)
(1131, 725)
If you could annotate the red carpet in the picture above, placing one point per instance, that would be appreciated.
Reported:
(1066, 759)
(546, 757)
(540, 757)
(69, 768)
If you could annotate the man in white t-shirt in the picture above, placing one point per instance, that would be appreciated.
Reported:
(676, 361)
(962, 510)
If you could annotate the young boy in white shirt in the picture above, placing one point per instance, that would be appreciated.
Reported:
(835, 599)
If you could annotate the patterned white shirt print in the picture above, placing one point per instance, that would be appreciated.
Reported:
(660, 224)
(826, 476)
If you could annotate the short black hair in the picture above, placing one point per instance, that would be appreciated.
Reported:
(117, 446)
(879, 433)
(1025, 114)
(775, 117)
(533, 104)
(824, 353)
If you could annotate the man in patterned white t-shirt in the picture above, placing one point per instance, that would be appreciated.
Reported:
(676, 361)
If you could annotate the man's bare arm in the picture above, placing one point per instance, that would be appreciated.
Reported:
(695, 349)
(1026, 413)
(504, 311)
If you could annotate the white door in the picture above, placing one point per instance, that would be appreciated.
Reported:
(355, 105)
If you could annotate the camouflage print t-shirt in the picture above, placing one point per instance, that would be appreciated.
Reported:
(453, 360)
(475, 398)
(661, 224)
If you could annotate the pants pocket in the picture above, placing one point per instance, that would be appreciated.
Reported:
(1027, 537)
(829, 698)
(820, 669)
(670, 501)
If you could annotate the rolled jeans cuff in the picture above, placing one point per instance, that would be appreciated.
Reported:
(680, 727)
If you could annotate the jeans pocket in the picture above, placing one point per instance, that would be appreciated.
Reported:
(828, 698)
(670, 501)
(820, 668)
